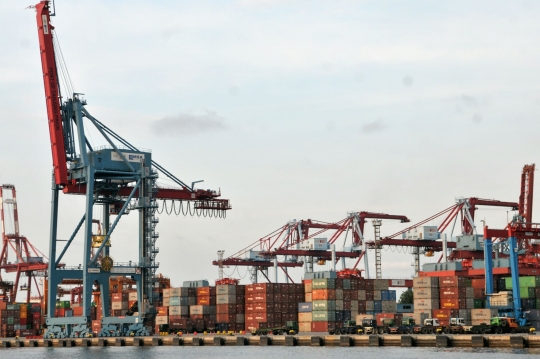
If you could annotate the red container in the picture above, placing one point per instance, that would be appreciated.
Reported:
(260, 297)
(346, 305)
(452, 292)
(36, 315)
(264, 317)
(251, 325)
(250, 288)
(119, 297)
(266, 287)
(96, 326)
(240, 308)
(323, 326)
(23, 321)
(370, 284)
(226, 318)
(479, 293)
(250, 308)
(226, 309)
(370, 295)
(452, 281)
(478, 283)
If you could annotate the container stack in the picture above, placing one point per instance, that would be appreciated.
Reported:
(260, 306)
(180, 300)
(479, 316)
(230, 307)
(527, 289)
(533, 316)
(426, 297)
(324, 314)
(305, 317)
(18, 320)
(203, 315)
(457, 298)
(119, 304)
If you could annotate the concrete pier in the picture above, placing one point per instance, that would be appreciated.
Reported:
(517, 341)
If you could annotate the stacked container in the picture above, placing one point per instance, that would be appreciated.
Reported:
(456, 299)
(324, 314)
(119, 304)
(203, 314)
(426, 297)
(479, 316)
(180, 300)
(527, 289)
(260, 306)
(230, 307)
(305, 316)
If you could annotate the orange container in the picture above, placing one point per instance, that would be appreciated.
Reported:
(162, 310)
(449, 303)
(323, 294)
(203, 291)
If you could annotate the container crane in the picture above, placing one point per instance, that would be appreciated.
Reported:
(119, 178)
(18, 255)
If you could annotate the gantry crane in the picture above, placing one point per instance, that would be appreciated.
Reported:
(18, 255)
(290, 242)
(119, 178)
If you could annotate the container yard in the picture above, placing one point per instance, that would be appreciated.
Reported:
(483, 291)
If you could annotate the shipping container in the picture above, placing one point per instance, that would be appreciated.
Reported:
(425, 282)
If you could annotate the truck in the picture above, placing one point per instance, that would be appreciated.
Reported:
(457, 326)
(370, 326)
(431, 326)
(290, 328)
(500, 325)
(349, 327)
(407, 326)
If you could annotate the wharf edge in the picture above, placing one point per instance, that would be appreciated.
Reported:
(441, 341)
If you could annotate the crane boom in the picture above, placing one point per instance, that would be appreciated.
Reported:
(52, 92)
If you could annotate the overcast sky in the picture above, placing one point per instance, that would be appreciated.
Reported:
(294, 109)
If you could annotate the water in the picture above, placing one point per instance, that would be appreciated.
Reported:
(261, 352)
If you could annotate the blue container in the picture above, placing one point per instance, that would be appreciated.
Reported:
(305, 307)
(392, 295)
(339, 316)
(528, 304)
(385, 294)
(377, 306)
(347, 315)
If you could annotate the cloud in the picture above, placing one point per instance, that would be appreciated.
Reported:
(477, 118)
(408, 81)
(186, 124)
(469, 101)
(375, 126)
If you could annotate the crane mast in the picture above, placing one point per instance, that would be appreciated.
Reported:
(119, 178)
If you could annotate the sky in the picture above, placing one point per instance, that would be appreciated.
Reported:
(293, 109)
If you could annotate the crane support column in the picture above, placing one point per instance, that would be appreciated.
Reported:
(488, 262)
(513, 249)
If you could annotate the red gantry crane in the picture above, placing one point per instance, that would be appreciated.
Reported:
(18, 255)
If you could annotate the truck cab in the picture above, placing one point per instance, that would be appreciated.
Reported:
(457, 321)
(431, 326)
(370, 326)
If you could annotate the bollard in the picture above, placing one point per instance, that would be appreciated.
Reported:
(19, 343)
(196, 341)
(6, 344)
(265, 340)
(316, 341)
(62, 343)
(218, 341)
(374, 341)
(478, 341)
(70, 343)
(442, 341)
(407, 341)
(345, 341)
(156, 342)
(48, 343)
(102, 342)
(517, 342)
(85, 343)
(177, 341)
(241, 341)
(138, 342)
(120, 342)
(291, 341)
(32, 343)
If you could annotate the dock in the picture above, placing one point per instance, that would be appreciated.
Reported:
(439, 341)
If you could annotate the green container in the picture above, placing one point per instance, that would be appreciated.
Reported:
(526, 292)
(324, 305)
(10, 320)
(478, 303)
(526, 281)
(65, 304)
(329, 316)
(323, 283)
(346, 284)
